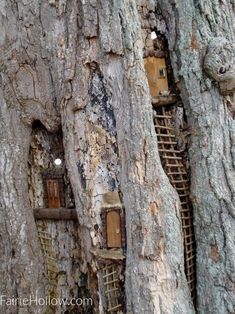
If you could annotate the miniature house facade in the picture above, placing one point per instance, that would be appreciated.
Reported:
(52, 203)
(156, 75)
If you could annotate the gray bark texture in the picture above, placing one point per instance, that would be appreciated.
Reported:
(79, 65)
(194, 31)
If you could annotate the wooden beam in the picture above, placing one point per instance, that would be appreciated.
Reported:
(113, 254)
(55, 213)
(164, 100)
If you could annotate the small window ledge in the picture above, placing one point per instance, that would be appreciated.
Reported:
(164, 100)
(112, 254)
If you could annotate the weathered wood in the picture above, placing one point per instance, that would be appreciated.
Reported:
(113, 221)
(164, 100)
(112, 254)
(53, 193)
(55, 213)
(156, 75)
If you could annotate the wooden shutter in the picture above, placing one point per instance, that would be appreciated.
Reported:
(114, 239)
(53, 193)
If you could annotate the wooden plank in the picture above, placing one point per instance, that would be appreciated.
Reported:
(164, 100)
(113, 221)
(55, 213)
(115, 254)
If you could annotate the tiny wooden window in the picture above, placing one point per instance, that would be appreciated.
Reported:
(53, 193)
(113, 225)
(162, 73)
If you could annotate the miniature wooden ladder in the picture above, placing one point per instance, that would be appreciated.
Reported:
(177, 174)
(112, 288)
(49, 255)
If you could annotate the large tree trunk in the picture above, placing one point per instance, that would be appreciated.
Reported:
(80, 64)
(113, 148)
(21, 261)
(199, 28)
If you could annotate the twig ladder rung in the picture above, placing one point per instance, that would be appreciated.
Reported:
(114, 272)
(179, 181)
(163, 127)
(167, 143)
(114, 308)
(168, 150)
(172, 157)
(112, 288)
(109, 282)
(49, 256)
(166, 135)
(173, 165)
(163, 117)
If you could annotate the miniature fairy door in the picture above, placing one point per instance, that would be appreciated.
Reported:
(114, 238)
(53, 193)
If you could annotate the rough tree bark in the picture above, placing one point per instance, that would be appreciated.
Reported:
(80, 64)
(194, 30)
